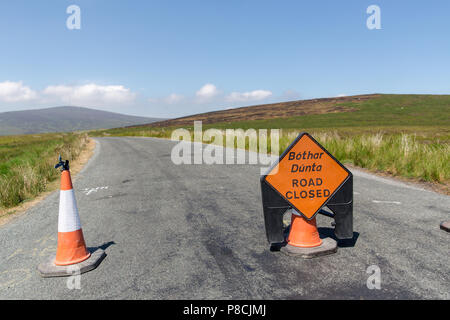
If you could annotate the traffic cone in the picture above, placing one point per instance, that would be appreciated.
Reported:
(71, 246)
(303, 233)
(304, 239)
(71, 253)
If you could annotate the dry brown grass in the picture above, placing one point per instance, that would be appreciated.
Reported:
(268, 111)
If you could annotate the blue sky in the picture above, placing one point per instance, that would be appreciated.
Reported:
(174, 58)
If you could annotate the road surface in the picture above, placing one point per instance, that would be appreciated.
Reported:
(196, 232)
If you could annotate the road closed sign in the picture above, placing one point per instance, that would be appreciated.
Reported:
(306, 175)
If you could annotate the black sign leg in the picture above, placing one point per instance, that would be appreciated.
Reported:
(342, 206)
(274, 208)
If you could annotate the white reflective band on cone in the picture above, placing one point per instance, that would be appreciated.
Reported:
(68, 219)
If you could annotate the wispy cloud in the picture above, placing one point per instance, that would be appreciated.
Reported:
(90, 94)
(16, 92)
(209, 95)
(255, 95)
(117, 96)
(207, 92)
(173, 98)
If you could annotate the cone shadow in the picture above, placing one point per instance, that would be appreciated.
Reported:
(342, 243)
(103, 246)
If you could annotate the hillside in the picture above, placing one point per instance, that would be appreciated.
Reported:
(270, 111)
(353, 114)
(64, 119)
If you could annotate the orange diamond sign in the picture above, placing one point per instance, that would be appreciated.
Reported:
(307, 175)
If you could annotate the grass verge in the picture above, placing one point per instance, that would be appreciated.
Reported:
(27, 165)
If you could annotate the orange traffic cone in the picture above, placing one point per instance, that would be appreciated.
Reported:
(303, 233)
(71, 246)
(304, 240)
(71, 253)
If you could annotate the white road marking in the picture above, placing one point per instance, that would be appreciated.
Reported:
(382, 201)
(88, 191)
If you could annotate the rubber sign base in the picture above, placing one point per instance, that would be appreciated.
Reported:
(328, 246)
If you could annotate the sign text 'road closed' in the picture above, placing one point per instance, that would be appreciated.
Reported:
(306, 175)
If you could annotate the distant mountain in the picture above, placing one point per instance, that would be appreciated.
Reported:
(62, 119)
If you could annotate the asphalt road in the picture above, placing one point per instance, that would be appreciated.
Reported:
(196, 232)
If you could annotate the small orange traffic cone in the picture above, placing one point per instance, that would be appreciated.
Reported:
(303, 233)
(71, 246)
(304, 240)
(71, 253)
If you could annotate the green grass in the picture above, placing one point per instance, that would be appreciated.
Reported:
(397, 154)
(384, 111)
(27, 163)
(404, 135)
